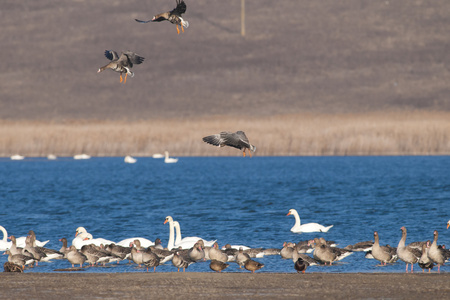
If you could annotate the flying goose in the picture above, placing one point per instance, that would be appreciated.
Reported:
(173, 16)
(233, 139)
(122, 63)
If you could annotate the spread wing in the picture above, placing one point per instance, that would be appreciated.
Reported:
(180, 9)
(129, 58)
(111, 55)
(237, 140)
(141, 21)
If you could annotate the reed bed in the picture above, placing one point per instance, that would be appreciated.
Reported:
(394, 133)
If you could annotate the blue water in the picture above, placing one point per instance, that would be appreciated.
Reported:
(232, 199)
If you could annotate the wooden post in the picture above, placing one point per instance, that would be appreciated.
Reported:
(243, 17)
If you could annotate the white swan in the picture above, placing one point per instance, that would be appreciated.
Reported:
(4, 244)
(17, 157)
(169, 160)
(157, 155)
(82, 156)
(82, 237)
(129, 159)
(20, 241)
(144, 242)
(188, 243)
(310, 227)
(236, 247)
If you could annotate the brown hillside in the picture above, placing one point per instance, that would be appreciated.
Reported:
(297, 56)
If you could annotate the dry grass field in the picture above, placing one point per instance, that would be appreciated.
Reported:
(402, 133)
(350, 77)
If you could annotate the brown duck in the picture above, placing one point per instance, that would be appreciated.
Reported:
(253, 265)
(173, 16)
(218, 266)
(122, 63)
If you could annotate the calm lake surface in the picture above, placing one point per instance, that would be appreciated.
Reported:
(241, 201)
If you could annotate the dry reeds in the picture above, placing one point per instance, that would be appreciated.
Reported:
(399, 133)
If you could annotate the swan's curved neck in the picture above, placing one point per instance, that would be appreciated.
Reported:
(5, 234)
(178, 236)
(170, 244)
(297, 218)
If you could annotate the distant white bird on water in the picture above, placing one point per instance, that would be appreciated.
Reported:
(158, 155)
(310, 227)
(17, 157)
(130, 160)
(169, 160)
(81, 156)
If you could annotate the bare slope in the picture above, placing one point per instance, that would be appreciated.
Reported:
(318, 56)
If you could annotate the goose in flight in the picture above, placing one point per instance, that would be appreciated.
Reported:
(173, 16)
(122, 63)
(233, 139)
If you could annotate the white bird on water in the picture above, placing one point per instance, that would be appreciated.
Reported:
(169, 160)
(310, 227)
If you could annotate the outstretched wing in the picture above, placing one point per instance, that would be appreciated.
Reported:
(141, 21)
(180, 9)
(237, 140)
(214, 139)
(111, 55)
(129, 58)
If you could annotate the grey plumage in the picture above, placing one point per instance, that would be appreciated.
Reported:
(232, 139)
(123, 63)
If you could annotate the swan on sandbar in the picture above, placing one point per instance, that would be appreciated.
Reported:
(169, 160)
(310, 227)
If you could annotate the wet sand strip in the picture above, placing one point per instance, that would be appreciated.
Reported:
(225, 285)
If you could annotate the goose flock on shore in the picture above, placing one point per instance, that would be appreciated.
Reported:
(182, 252)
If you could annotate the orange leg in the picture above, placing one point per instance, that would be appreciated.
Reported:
(121, 79)
(243, 153)
(178, 30)
(182, 28)
(125, 80)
